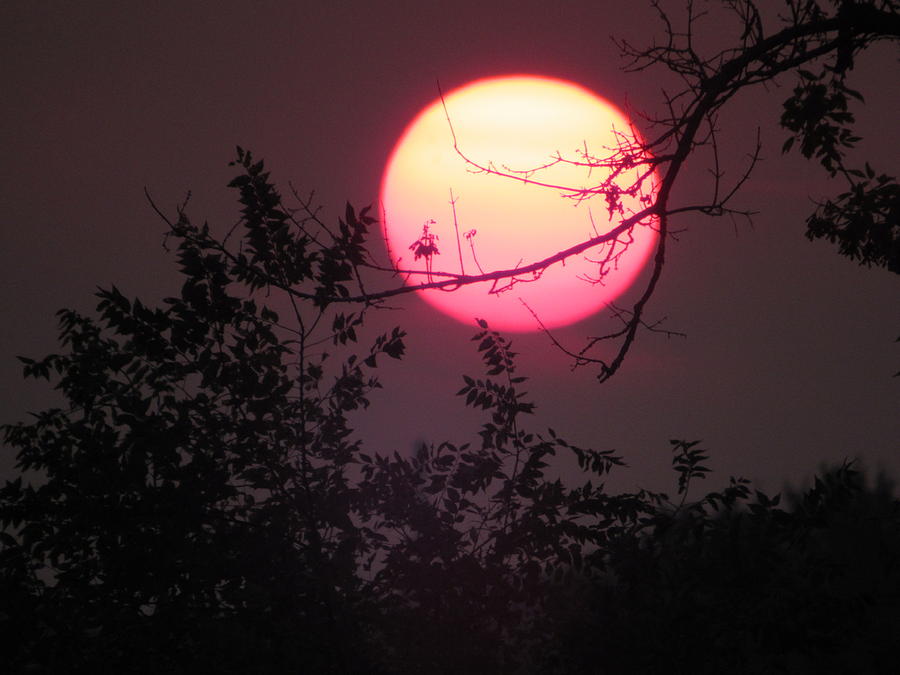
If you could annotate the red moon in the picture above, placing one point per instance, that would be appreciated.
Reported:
(519, 123)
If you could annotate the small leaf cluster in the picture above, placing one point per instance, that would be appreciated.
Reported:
(287, 247)
(864, 221)
(687, 462)
(819, 116)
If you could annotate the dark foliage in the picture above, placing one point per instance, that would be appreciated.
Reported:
(864, 221)
(202, 505)
(734, 584)
(201, 502)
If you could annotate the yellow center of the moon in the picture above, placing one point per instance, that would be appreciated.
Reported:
(511, 124)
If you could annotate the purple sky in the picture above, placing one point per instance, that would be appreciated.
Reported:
(790, 347)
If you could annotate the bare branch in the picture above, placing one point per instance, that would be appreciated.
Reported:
(684, 131)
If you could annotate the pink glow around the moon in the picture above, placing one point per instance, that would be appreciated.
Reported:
(520, 122)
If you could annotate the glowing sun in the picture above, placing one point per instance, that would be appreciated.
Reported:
(511, 124)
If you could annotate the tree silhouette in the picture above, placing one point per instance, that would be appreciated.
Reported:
(201, 501)
(731, 584)
(813, 41)
(188, 508)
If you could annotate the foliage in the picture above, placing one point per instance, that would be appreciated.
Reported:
(189, 502)
(202, 503)
(816, 41)
(202, 498)
(484, 535)
(737, 585)
(864, 221)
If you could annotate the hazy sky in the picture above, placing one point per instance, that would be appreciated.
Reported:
(790, 347)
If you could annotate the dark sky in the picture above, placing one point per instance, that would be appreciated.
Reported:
(790, 347)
